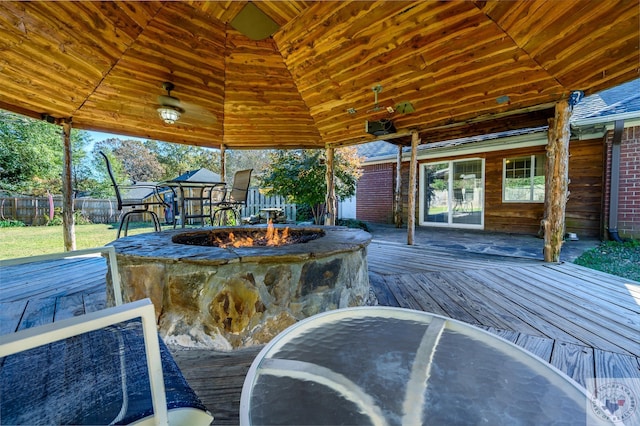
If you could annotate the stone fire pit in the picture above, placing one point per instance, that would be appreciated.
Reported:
(226, 298)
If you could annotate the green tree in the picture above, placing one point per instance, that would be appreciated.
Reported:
(299, 176)
(138, 162)
(178, 159)
(31, 154)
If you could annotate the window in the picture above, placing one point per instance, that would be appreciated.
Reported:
(523, 179)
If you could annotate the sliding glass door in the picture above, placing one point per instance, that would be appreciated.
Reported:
(452, 193)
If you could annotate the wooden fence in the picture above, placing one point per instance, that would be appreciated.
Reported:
(38, 210)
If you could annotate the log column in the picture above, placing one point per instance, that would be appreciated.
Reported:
(68, 223)
(223, 160)
(330, 219)
(397, 195)
(413, 173)
(557, 178)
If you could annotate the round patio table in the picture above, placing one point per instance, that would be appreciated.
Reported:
(392, 366)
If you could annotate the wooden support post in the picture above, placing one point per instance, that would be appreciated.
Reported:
(223, 166)
(413, 175)
(556, 181)
(397, 194)
(330, 219)
(68, 224)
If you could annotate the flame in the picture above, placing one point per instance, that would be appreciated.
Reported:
(273, 237)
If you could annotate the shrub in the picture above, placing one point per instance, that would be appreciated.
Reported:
(10, 223)
(78, 217)
(353, 223)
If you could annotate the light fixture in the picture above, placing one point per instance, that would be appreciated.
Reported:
(168, 114)
(169, 110)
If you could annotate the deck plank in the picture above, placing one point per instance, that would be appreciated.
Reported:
(217, 378)
(575, 361)
(38, 312)
(583, 322)
(589, 327)
(11, 315)
(69, 307)
(542, 347)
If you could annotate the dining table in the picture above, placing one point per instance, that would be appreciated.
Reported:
(394, 366)
(194, 197)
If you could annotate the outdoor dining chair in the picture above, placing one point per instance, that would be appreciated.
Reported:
(233, 199)
(138, 205)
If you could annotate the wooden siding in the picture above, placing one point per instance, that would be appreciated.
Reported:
(583, 214)
(508, 217)
(583, 207)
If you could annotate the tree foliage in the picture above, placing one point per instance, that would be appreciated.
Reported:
(31, 155)
(299, 176)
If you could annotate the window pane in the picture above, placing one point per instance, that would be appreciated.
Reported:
(518, 182)
(436, 193)
(467, 184)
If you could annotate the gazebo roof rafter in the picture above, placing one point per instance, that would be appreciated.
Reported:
(465, 67)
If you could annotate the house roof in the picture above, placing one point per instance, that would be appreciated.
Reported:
(624, 98)
(200, 175)
(465, 67)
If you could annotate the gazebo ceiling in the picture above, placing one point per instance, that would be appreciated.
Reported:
(464, 66)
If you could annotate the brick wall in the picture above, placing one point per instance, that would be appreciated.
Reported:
(629, 185)
(374, 195)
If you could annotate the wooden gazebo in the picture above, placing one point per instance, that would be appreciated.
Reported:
(293, 74)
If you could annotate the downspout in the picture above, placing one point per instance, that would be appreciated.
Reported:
(614, 184)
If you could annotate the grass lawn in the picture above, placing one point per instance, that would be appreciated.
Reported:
(621, 259)
(33, 240)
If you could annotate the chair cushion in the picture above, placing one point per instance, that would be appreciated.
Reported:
(98, 377)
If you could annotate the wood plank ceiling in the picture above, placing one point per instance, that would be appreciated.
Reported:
(466, 66)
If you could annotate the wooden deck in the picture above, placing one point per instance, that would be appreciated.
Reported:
(584, 322)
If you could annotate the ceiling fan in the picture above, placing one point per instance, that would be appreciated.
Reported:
(404, 107)
(171, 109)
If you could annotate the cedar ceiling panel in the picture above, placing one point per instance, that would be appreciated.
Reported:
(553, 33)
(223, 11)
(263, 107)
(180, 45)
(54, 54)
(442, 57)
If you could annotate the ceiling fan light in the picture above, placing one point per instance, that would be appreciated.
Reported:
(168, 114)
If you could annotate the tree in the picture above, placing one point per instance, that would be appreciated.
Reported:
(137, 161)
(31, 154)
(299, 176)
(178, 159)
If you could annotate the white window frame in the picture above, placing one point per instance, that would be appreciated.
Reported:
(532, 177)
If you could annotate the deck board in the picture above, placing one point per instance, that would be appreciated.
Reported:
(583, 322)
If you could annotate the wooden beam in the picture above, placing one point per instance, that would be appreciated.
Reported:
(330, 219)
(557, 182)
(413, 172)
(397, 194)
(68, 224)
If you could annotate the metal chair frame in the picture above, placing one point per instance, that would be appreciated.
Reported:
(137, 206)
(233, 198)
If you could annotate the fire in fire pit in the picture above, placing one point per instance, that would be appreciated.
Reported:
(248, 237)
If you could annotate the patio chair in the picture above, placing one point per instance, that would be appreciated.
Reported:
(458, 199)
(104, 367)
(233, 198)
(137, 206)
